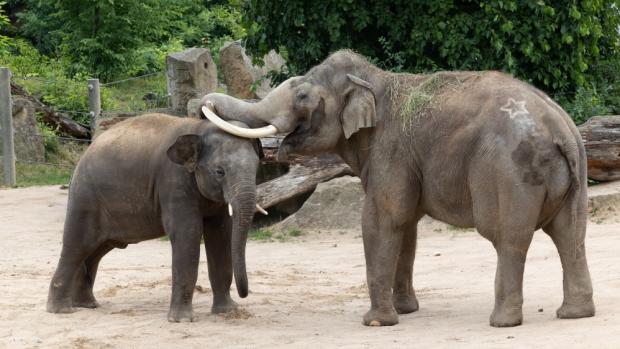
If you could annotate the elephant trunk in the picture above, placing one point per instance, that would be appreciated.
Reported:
(231, 108)
(243, 206)
(254, 115)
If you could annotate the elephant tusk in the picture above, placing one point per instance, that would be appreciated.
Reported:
(261, 210)
(236, 130)
(230, 211)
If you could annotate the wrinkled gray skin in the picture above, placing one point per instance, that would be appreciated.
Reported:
(157, 175)
(488, 152)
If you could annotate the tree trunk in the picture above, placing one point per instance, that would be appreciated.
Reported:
(601, 135)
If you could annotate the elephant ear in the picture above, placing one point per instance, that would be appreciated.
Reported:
(186, 151)
(359, 110)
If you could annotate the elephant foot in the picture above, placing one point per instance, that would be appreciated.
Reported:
(225, 306)
(405, 304)
(506, 317)
(59, 307)
(380, 317)
(181, 316)
(91, 304)
(576, 311)
(85, 299)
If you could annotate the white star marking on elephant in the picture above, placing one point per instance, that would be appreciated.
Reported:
(514, 108)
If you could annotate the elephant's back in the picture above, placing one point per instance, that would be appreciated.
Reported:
(145, 133)
(128, 157)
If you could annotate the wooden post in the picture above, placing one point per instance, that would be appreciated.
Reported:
(94, 104)
(6, 120)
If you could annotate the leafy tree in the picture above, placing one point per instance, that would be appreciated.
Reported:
(556, 45)
(107, 39)
(4, 24)
(214, 26)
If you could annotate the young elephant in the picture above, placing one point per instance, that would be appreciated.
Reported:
(158, 175)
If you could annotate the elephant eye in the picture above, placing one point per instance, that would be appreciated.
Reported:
(219, 172)
(301, 95)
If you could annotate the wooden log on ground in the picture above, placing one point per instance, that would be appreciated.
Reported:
(601, 135)
(65, 125)
(303, 176)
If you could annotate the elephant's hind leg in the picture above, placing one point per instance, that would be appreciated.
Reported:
(80, 240)
(511, 254)
(85, 278)
(403, 296)
(59, 299)
(568, 238)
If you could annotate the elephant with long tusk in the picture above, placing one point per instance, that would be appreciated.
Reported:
(473, 149)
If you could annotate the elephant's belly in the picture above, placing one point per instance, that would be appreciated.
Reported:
(449, 208)
(132, 226)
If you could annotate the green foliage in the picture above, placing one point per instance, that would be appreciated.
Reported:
(586, 103)
(215, 26)
(46, 79)
(40, 174)
(60, 156)
(295, 232)
(116, 39)
(554, 45)
(106, 39)
(50, 140)
(260, 234)
(130, 96)
(4, 25)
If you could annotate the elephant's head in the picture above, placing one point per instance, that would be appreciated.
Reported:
(318, 111)
(224, 168)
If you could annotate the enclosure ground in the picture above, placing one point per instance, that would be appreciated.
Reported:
(308, 292)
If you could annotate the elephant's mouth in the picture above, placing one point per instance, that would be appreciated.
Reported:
(291, 142)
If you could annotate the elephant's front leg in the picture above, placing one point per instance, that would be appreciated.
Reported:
(185, 258)
(381, 248)
(217, 237)
(403, 296)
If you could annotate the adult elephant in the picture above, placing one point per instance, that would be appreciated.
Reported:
(472, 149)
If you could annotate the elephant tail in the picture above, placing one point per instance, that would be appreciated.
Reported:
(572, 148)
(570, 144)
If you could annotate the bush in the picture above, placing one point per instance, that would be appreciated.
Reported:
(4, 25)
(46, 79)
(554, 45)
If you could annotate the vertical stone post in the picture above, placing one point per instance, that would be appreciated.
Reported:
(6, 122)
(190, 74)
(94, 103)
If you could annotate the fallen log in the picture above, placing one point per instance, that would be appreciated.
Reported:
(303, 176)
(601, 135)
(64, 124)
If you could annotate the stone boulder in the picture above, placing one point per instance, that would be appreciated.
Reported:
(28, 140)
(190, 74)
(193, 108)
(240, 74)
(336, 204)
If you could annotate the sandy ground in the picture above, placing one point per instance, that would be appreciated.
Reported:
(307, 292)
